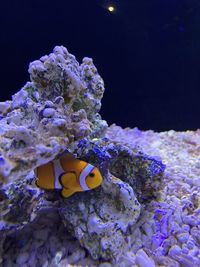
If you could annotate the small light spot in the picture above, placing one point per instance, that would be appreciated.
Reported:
(111, 8)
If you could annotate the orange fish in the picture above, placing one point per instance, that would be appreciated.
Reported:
(68, 174)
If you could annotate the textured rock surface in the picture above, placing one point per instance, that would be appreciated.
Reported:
(108, 212)
(168, 229)
(167, 232)
(138, 217)
(58, 111)
(99, 219)
(49, 114)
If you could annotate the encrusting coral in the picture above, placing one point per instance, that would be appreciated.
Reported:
(56, 113)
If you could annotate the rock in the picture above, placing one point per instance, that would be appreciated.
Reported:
(22, 258)
(183, 237)
(34, 117)
(147, 210)
(143, 260)
(48, 112)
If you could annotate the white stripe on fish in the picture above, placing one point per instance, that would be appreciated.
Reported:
(58, 170)
(82, 178)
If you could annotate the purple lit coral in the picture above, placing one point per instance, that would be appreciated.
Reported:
(146, 213)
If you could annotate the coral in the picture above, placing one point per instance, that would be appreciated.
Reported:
(56, 113)
(49, 114)
(168, 229)
(108, 212)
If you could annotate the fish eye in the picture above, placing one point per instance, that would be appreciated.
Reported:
(91, 174)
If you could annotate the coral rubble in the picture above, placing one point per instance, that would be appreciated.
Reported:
(140, 216)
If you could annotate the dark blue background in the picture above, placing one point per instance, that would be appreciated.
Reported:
(148, 54)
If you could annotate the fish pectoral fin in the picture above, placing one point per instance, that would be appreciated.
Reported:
(68, 179)
(66, 192)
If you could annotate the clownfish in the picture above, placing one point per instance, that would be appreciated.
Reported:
(68, 174)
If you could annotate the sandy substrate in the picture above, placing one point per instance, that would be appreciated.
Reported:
(168, 231)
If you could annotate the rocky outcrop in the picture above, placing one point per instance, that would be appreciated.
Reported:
(56, 113)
